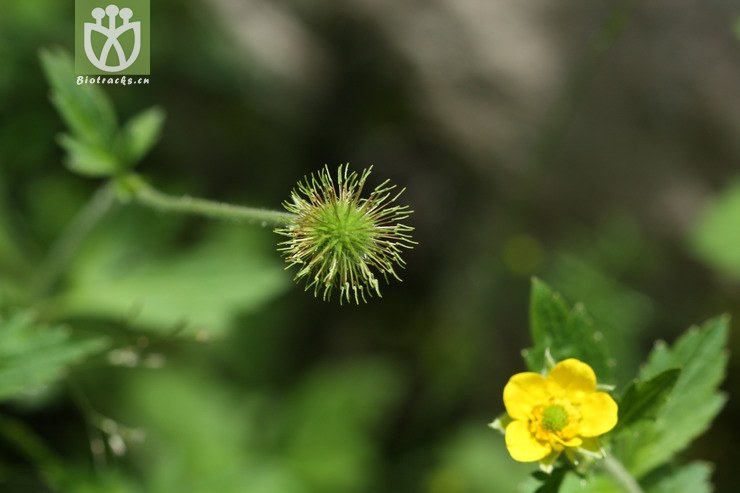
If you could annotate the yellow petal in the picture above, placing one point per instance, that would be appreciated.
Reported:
(571, 379)
(523, 392)
(522, 446)
(598, 414)
(573, 442)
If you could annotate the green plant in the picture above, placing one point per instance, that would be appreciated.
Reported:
(673, 400)
(134, 292)
(337, 239)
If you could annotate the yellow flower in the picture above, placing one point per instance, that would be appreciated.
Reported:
(559, 412)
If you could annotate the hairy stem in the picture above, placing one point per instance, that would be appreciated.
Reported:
(147, 195)
(621, 475)
(61, 253)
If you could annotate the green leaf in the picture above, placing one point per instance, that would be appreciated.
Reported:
(691, 406)
(691, 478)
(566, 332)
(591, 266)
(643, 400)
(85, 108)
(716, 234)
(32, 356)
(140, 134)
(203, 436)
(97, 147)
(88, 159)
(125, 277)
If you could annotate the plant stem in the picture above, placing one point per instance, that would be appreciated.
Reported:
(621, 475)
(147, 195)
(66, 245)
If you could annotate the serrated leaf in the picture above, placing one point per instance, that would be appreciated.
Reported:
(566, 332)
(85, 108)
(140, 134)
(33, 356)
(590, 271)
(716, 235)
(97, 147)
(643, 400)
(196, 291)
(88, 159)
(693, 403)
(691, 478)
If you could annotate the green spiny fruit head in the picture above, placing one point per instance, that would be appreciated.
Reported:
(342, 241)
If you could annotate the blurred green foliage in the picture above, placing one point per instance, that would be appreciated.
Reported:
(564, 332)
(694, 401)
(121, 276)
(33, 356)
(97, 147)
(191, 332)
(716, 235)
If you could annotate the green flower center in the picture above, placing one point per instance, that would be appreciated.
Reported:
(554, 418)
(344, 228)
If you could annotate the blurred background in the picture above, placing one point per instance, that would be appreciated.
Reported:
(595, 145)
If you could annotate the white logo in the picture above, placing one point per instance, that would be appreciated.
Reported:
(112, 32)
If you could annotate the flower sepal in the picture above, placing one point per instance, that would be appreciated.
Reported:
(579, 459)
(500, 423)
(549, 363)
